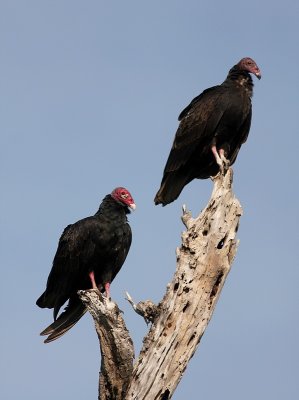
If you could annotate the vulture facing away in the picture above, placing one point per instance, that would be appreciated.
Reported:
(90, 253)
(211, 131)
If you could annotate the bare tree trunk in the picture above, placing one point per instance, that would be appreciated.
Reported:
(116, 345)
(179, 321)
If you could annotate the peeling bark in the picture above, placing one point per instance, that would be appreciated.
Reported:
(180, 319)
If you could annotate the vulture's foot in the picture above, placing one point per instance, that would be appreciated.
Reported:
(221, 160)
(225, 163)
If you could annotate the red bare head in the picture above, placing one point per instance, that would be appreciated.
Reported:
(123, 196)
(249, 65)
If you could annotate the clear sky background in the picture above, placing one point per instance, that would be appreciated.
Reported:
(90, 94)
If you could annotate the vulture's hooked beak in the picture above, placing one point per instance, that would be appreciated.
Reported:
(258, 75)
(133, 206)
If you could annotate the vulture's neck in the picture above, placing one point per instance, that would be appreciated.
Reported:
(111, 207)
(240, 78)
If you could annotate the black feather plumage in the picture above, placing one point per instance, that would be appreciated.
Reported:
(220, 116)
(98, 244)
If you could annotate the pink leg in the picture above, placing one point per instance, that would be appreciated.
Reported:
(93, 281)
(216, 155)
(107, 290)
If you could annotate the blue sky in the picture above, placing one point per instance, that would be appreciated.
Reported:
(90, 94)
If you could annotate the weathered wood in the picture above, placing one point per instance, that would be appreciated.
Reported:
(147, 309)
(203, 262)
(180, 319)
(116, 345)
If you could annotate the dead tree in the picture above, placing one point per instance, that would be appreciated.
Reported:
(178, 322)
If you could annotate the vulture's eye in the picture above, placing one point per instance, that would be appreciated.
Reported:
(124, 195)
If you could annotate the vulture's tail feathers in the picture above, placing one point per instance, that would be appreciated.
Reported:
(64, 322)
(171, 187)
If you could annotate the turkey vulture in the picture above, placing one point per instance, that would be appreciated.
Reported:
(211, 131)
(90, 253)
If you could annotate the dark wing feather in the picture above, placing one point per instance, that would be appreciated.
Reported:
(68, 269)
(123, 249)
(194, 101)
(199, 122)
(242, 136)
